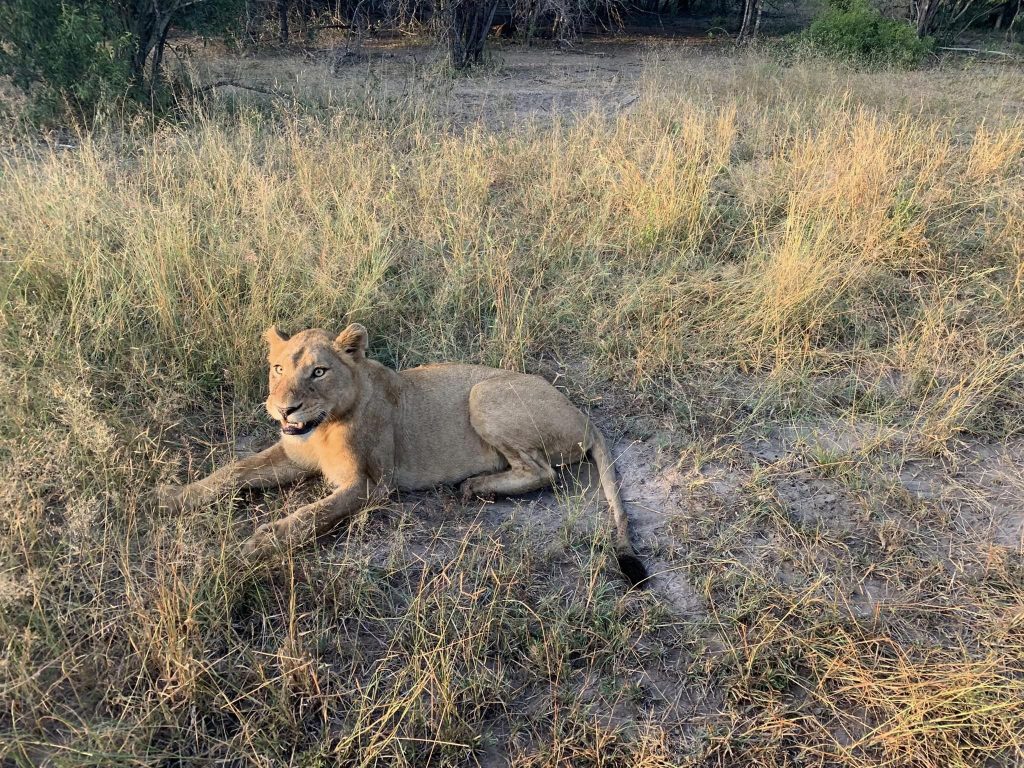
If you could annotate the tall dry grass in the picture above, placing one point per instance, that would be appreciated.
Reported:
(785, 247)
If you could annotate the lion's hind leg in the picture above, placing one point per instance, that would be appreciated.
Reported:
(522, 476)
(536, 428)
(532, 425)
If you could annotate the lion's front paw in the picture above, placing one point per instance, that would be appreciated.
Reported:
(167, 498)
(263, 542)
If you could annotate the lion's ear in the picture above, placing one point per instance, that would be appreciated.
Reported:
(352, 341)
(274, 336)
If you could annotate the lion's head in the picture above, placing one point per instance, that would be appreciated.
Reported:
(312, 376)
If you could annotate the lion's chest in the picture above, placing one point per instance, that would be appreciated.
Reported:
(329, 450)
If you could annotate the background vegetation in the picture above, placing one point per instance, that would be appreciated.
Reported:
(859, 33)
(78, 58)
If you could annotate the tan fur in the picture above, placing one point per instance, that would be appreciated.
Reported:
(493, 431)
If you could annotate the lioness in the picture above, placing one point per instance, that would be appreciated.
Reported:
(369, 429)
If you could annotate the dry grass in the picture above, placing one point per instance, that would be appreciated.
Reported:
(772, 253)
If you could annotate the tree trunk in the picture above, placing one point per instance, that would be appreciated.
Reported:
(148, 23)
(282, 20)
(305, 15)
(468, 23)
(140, 23)
(751, 20)
(164, 27)
(927, 10)
(1012, 15)
(250, 22)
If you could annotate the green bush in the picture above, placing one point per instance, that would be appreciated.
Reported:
(77, 58)
(70, 57)
(855, 31)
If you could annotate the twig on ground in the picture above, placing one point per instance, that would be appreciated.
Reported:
(978, 50)
(236, 84)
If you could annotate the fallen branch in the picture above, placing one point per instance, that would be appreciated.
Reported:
(236, 84)
(270, 92)
(322, 27)
(979, 50)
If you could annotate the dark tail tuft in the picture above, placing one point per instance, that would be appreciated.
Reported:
(632, 569)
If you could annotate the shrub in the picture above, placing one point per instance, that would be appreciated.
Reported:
(853, 30)
(68, 56)
(74, 58)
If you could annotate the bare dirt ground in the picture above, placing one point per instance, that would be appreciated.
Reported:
(517, 83)
(602, 72)
(977, 493)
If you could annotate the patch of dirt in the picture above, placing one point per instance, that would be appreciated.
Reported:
(538, 83)
(545, 82)
(991, 478)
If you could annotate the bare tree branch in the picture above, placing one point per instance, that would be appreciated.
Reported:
(236, 84)
(978, 50)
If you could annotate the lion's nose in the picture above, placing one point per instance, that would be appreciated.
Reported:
(289, 410)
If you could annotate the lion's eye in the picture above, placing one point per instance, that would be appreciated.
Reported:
(318, 372)
(278, 370)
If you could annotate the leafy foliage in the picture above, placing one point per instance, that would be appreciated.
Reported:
(70, 55)
(76, 58)
(856, 31)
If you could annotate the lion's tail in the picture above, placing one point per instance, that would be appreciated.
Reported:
(630, 565)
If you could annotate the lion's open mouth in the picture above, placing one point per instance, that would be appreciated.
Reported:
(300, 427)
